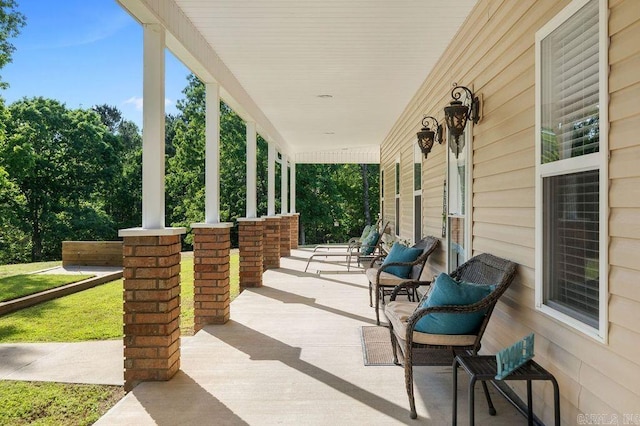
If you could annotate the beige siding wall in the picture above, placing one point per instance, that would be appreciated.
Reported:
(494, 54)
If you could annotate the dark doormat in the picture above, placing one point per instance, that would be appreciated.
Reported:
(376, 350)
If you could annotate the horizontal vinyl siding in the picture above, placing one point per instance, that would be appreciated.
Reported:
(494, 55)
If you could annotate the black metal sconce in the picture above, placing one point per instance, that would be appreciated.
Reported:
(426, 136)
(457, 113)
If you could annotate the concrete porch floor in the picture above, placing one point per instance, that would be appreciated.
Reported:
(291, 354)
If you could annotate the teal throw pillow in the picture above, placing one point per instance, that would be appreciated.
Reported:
(447, 291)
(369, 243)
(401, 253)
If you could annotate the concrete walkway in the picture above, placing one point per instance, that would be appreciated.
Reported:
(99, 362)
(290, 355)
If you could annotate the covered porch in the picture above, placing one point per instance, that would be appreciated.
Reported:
(292, 354)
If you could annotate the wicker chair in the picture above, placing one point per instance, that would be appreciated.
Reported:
(484, 269)
(384, 282)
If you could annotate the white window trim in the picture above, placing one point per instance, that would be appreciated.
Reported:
(381, 206)
(468, 215)
(598, 160)
(417, 153)
(397, 190)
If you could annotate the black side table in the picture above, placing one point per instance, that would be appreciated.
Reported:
(483, 367)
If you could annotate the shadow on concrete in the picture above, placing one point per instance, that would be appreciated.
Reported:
(184, 402)
(296, 273)
(261, 347)
(286, 297)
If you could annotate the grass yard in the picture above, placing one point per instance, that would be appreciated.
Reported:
(25, 268)
(94, 314)
(30, 403)
(14, 286)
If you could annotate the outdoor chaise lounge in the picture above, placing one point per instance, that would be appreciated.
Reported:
(372, 245)
(354, 242)
(414, 326)
(383, 278)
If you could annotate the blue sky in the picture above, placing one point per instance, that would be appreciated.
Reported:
(84, 53)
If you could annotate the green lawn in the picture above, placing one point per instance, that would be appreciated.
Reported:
(29, 403)
(14, 286)
(25, 268)
(93, 314)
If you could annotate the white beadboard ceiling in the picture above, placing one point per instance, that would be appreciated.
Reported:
(331, 76)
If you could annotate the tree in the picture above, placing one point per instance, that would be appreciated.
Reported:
(61, 161)
(123, 195)
(10, 23)
(186, 167)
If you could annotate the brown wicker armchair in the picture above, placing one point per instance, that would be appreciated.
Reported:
(484, 269)
(383, 282)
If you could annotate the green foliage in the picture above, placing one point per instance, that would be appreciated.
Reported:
(22, 285)
(11, 21)
(15, 243)
(28, 403)
(326, 193)
(186, 168)
(62, 162)
(335, 194)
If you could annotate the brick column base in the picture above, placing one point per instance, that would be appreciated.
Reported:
(211, 293)
(285, 236)
(271, 242)
(151, 307)
(250, 235)
(294, 221)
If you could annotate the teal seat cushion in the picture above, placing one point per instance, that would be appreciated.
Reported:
(447, 291)
(369, 243)
(401, 253)
(365, 232)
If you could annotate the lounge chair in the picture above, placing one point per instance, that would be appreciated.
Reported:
(354, 242)
(383, 278)
(485, 271)
(372, 245)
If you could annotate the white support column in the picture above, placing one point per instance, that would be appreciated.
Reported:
(212, 153)
(292, 184)
(252, 165)
(271, 180)
(153, 127)
(284, 187)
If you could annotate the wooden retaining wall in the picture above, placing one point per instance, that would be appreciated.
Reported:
(92, 253)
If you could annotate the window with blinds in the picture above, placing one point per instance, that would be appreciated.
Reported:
(572, 245)
(397, 199)
(569, 204)
(570, 87)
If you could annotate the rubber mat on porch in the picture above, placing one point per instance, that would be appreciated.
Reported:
(376, 350)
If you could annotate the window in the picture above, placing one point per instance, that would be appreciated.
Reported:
(458, 223)
(571, 175)
(398, 197)
(382, 194)
(417, 193)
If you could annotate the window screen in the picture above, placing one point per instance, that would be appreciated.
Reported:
(572, 244)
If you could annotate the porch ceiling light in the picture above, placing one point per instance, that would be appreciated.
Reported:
(458, 112)
(426, 136)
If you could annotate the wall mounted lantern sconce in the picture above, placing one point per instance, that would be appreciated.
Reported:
(457, 113)
(426, 136)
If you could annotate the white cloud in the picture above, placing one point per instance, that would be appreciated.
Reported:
(135, 101)
(138, 102)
